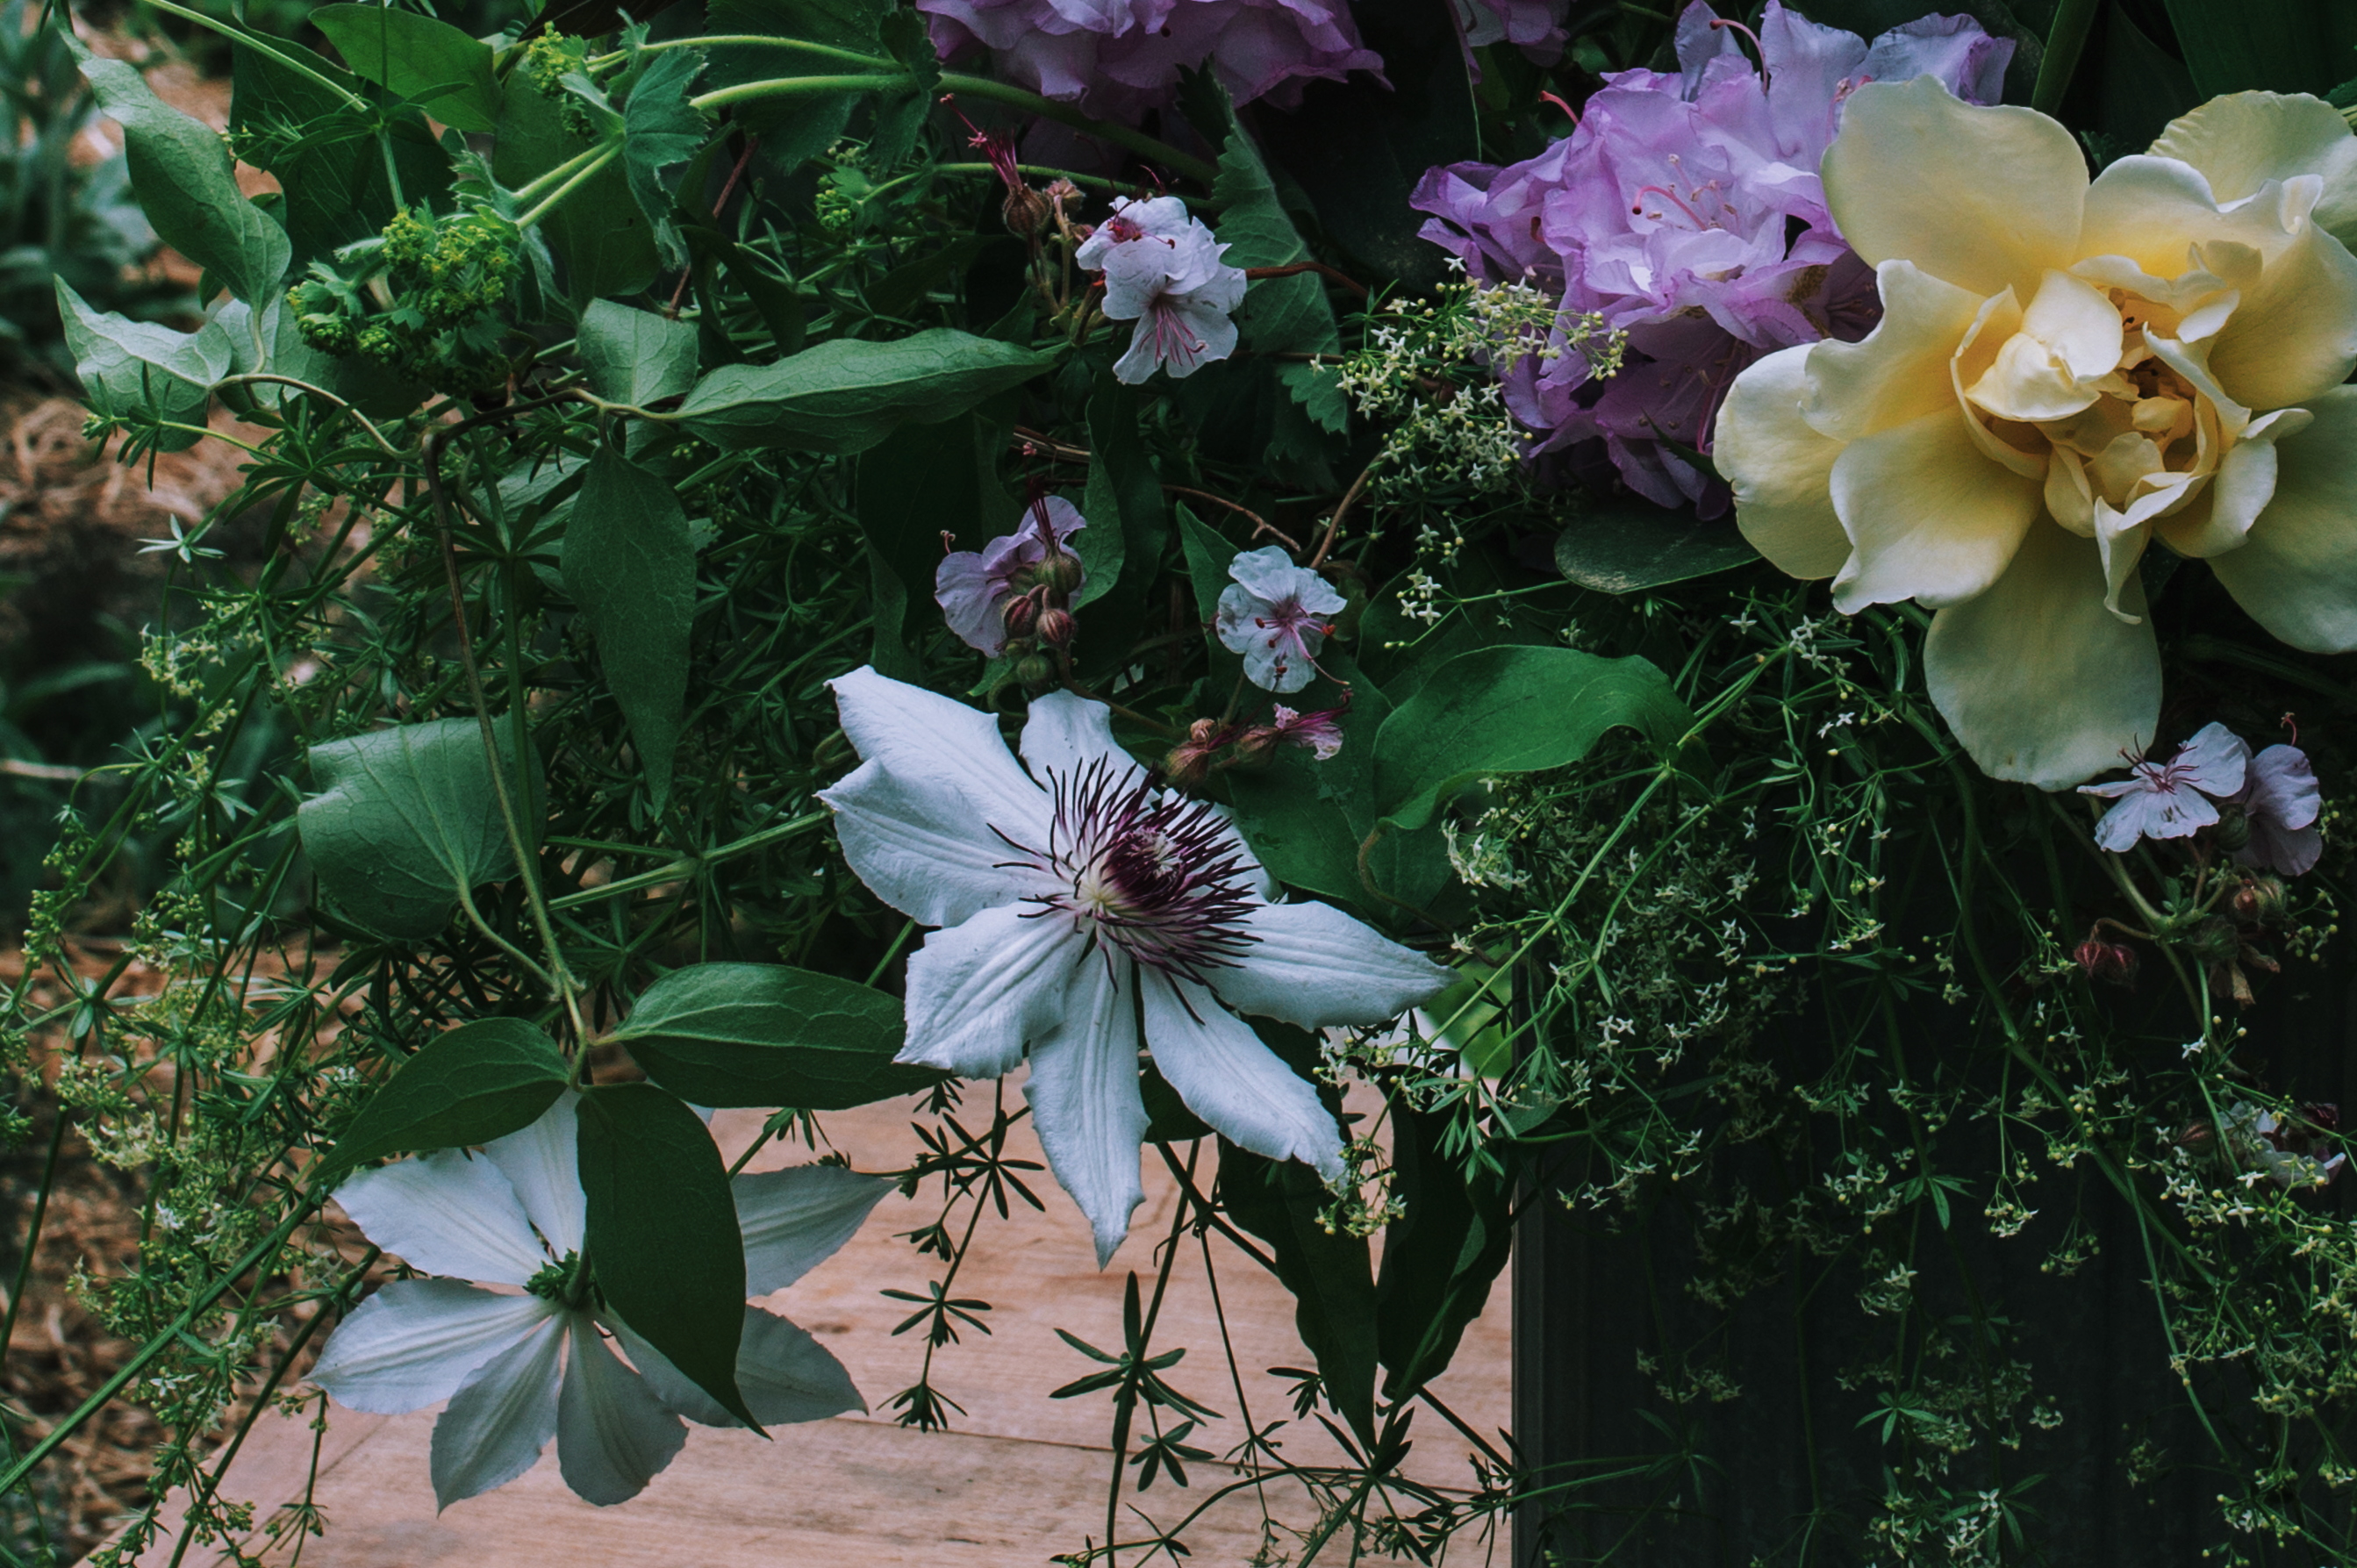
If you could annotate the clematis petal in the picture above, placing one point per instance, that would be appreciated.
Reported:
(1933, 517)
(785, 1374)
(2040, 683)
(980, 990)
(1085, 1100)
(1064, 734)
(1779, 468)
(921, 845)
(499, 1419)
(1232, 1082)
(541, 1162)
(2297, 570)
(943, 748)
(445, 1213)
(1313, 965)
(2242, 140)
(1897, 372)
(795, 1219)
(415, 1341)
(2294, 334)
(613, 1434)
(1982, 197)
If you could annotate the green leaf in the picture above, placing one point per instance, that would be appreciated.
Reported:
(798, 127)
(1440, 1256)
(180, 170)
(1209, 554)
(2282, 46)
(920, 482)
(468, 1085)
(662, 1234)
(846, 395)
(1328, 1273)
(1278, 315)
(1620, 545)
(1125, 498)
(629, 563)
(1512, 710)
(404, 822)
(635, 356)
(605, 241)
(326, 155)
(137, 370)
(766, 1035)
(431, 64)
(661, 129)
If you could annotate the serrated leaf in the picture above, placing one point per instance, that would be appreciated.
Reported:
(629, 563)
(137, 370)
(605, 241)
(426, 62)
(768, 1035)
(661, 1233)
(182, 172)
(468, 1085)
(846, 395)
(404, 820)
(1512, 710)
(660, 130)
(636, 357)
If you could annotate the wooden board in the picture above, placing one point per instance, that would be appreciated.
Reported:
(1021, 1478)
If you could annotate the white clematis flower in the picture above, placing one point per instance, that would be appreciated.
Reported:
(513, 1215)
(1083, 906)
(2066, 372)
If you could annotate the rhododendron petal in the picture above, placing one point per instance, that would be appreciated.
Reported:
(2042, 683)
(1930, 517)
(2242, 140)
(1085, 1100)
(2295, 573)
(1232, 1082)
(1909, 178)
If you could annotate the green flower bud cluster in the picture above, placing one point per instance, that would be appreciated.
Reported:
(436, 285)
(547, 61)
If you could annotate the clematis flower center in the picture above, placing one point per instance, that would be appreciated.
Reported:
(566, 1282)
(1154, 875)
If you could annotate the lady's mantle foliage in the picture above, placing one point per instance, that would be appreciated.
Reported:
(514, 1215)
(1077, 895)
(1686, 210)
(2064, 374)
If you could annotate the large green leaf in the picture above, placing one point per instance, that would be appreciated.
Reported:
(405, 821)
(662, 1234)
(764, 1034)
(1124, 509)
(326, 155)
(635, 356)
(1440, 1256)
(430, 63)
(180, 170)
(1327, 1271)
(137, 370)
(1278, 315)
(846, 395)
(1512, 710)
(2283, 45)
(1618, 546)
(469, 1085)
(629, 563)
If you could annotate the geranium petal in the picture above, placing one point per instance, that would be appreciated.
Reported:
(795, 1219)
(1313, 965)
(445, 1213)
(1063, 734)
(1085, 1100)
(415, 1341)
(2215, 761)
(543, 1164)
(1779, 468)
(942, 746)
(1895, 374)
(980, 990)
(2040, 683)
(2297, 570)
(2242, 140)
(613, 1434)
(922, 846)
(1984, 197)
(2282, 786)
(1232, 1082)
(499, 1419)
(1931, 517)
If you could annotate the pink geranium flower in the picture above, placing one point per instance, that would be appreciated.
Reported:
(2172, 800)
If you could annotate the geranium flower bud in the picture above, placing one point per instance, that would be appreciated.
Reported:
(2216, 942)
(2233, 829)
(1056, 627)
(2112, 961)
(2258, 901)
(1063, 571)
(1019, 615)
(1190, 762)
(1034, 670)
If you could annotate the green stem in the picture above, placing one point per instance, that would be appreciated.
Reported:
(604, 156)
(748, 41)
(793, 87)
(2064, 41)
(1138, 142)
(564, 171)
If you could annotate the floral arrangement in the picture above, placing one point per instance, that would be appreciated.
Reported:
(1711, 653)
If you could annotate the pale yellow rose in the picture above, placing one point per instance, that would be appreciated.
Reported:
(2064, 372)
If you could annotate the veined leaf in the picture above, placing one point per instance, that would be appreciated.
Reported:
(768, 1035)
(635, 356)
(846, 395)
(135, 371)
(629, 563)
(430, 63)
(468, 1085)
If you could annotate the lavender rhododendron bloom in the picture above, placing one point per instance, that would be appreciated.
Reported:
(2174, 799)
(1534, 26)
(1276, 615)
(2280, 802)
(1077, 903)
(513, 1215)
(1163, 270)
(1685, 210)
(973, 586)
(1117, 58)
